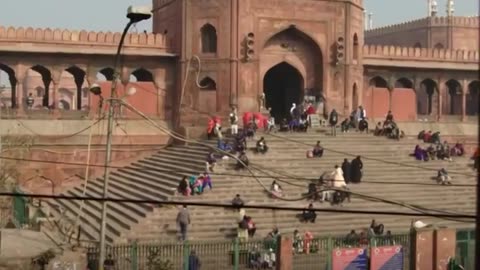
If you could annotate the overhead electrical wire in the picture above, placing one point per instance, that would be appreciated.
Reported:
(223, 205)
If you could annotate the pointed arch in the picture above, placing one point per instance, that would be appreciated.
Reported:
(452, 101)
(378, 82)
(356, 47)
(208, 38)
(427, 97)
(12, 80)
(105, 74)
(208, 84)
(404, 83)
(143, 75)
(46, 79)
(473, 98)
(79, 78)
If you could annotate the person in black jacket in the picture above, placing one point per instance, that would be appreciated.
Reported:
(346, 167)
(332, 120)
(356, 170)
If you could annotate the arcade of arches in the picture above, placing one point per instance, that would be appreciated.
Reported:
(429, 98)
(69, 89)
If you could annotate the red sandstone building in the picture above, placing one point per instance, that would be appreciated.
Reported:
(205, 56)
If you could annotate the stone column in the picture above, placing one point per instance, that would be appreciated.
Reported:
(54, 101)
(444, 247)
(464, 100)
(20, 109)
(422, 251)
(441, 91)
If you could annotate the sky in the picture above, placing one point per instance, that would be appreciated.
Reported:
(109, 15)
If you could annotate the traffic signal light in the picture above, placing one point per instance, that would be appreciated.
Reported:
(249, 46)
(340, 50)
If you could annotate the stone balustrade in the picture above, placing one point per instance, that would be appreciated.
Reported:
(423, 22)
(405, 53)
(68, 37)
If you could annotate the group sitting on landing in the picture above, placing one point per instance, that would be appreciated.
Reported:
(192, 185)
(389, 128)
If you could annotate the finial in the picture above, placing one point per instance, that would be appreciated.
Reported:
(450, 8)
(434, 8)
(370, 20)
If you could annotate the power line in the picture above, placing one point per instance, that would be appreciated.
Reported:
(265, 176)
(222, 205)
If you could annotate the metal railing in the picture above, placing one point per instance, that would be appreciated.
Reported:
(236, 254)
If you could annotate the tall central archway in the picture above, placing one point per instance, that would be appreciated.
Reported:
(283, 85)
(296, 62)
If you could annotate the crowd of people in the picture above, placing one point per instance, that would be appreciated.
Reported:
(332, 186)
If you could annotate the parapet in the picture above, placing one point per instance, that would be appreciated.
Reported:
(385, 51)
(65, 36)
(389, 29)
(424, 22)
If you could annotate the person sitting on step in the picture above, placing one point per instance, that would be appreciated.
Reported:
(376, 229)
(309, 214)
(379, 130)
(243, 161)
(435, 138)
(346, 125)
(262, 147)
(445, 151)
(284, 125)
(427, 137)
(363, 125)
(224, 146)
(250, 131)
(270, 124)
(196, 184)
(420, 154)
(184, 187)
(317, 150)
(443, 177)
(458, 150)
(432, 152)
(237, 201)
(276, 190)
(210, 162)
(303, 124)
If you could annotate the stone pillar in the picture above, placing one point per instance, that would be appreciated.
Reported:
(422, 249)
(464, 100)
(20, 109)
(444, 247)
(441, 91)
(284, 254)
(54, 101)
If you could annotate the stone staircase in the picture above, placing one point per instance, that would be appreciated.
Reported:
(288, 158)
(153, 178)
(156, 177)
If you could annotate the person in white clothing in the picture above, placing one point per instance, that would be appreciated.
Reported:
(338, 180)
(234, 121)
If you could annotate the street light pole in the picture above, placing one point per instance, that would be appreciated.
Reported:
(135, 15)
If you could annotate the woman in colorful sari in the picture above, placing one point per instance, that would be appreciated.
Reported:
(211, 128)
(420, 154)
(458, 150)
(207, 181)
(184, 187)
(196, 184)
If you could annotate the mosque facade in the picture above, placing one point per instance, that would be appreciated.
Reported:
(205, 56)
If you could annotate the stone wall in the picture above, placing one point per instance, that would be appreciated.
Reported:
(59, 142)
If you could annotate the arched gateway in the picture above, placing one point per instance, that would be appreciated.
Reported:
(283, 85)
(291, 68)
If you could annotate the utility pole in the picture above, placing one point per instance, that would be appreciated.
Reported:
(135, 15)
